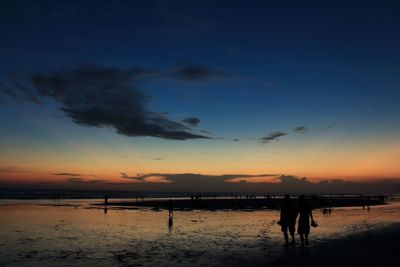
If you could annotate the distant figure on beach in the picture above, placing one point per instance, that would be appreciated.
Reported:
(105, 200)
(288, 219)
(170, 213)
(305, 213)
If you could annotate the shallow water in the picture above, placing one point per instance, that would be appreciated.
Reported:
(75, 233)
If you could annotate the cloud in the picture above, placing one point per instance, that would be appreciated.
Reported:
(206, 132)
(78, 180)
(7, 170)
(263, 183)
(12, 169)
(227, 183)
(272, 136)
(190, 181)
(197, 73)
(7, 91)
(235, 139)
(191, 121)
(109, 97)
(300, 129)
(27, 93)
(67, 174)
(126, 176)
(153, 158)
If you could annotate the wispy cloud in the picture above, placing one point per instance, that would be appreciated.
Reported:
(191, 121)
(197, 73)
(272, 136)
(78, 180)
(12, 169)
(300, 129)
(67, 174)
(153, 158)
(27, 93)
(7, 91)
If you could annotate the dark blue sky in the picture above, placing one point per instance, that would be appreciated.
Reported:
(246, 69)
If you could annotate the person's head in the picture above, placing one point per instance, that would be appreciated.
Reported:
(287, 197)
(301, 198)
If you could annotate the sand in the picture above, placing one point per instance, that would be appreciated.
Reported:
(379, 247)
(76, 233)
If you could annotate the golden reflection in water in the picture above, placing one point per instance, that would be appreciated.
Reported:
(80, 234)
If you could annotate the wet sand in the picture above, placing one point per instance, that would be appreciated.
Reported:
(378, 247)
(76, 233)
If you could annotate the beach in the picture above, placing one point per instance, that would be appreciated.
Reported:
(81, 233)
(378, 247)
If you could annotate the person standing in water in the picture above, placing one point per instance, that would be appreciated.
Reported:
(305, 214)
(288, 219)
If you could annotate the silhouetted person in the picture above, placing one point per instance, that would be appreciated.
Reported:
(305, 213)
(170, 209)
(288, 219)
(170, 214)
(105, 200)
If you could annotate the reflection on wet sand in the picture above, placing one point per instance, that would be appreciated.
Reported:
(42, 235)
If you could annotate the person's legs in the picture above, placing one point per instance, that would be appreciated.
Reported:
(292, 230)
(302, 239)
(285, 234)
(306, 236)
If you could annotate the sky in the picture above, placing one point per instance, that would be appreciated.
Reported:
(166, 95)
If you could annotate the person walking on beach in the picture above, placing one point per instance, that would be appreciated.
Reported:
(305, 214)
(288, 219)
(170, 213)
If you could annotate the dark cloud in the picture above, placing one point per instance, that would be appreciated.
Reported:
(189, 181)
(108, 97)
(126, 176)
(227, 183)
(273, 183)
(78, 180)
(236, 140)
(192, 121)
(300, 129)
(67, 174)
(272, 136)
(197, 73)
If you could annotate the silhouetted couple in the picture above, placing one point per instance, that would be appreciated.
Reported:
(289, 213)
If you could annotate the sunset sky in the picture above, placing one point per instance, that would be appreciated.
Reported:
(99, 93)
